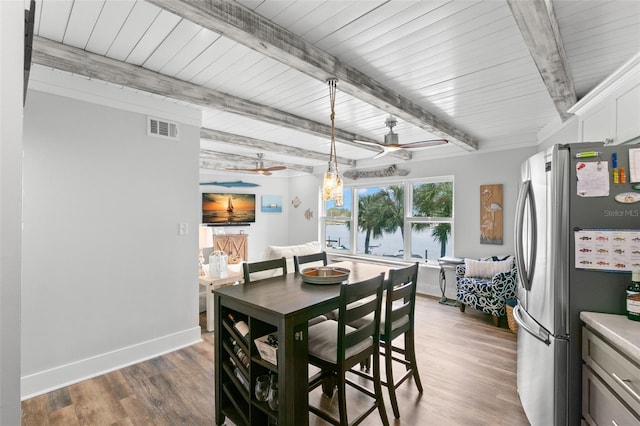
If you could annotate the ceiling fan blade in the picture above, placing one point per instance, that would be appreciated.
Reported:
(236, 169)
(380, 154)
(275, 168)
(374, 144)
(424, 144)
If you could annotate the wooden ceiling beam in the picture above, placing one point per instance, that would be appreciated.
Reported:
(539, 27)
(259, 144)
(252, 30)
(220, 160)
(71, 59)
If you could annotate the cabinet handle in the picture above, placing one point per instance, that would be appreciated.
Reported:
(624, 383)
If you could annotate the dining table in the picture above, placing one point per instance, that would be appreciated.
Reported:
(280, 306)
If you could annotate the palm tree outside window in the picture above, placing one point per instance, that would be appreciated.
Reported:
(373, 222)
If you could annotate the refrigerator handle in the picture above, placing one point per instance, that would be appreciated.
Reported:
(525, 271)
(541, 333)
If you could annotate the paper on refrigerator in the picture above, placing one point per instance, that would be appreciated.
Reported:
(634, 165)
(593, 178)
(611, 250)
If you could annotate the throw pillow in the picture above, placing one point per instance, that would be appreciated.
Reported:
(486, 269)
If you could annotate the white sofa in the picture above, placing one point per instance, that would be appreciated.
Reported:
(275, 252)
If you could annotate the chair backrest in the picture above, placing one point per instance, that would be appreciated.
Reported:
(368, 294)
(264, 265)
(309, 258)
(400, 301)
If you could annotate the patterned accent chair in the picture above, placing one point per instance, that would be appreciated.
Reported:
(490, 289)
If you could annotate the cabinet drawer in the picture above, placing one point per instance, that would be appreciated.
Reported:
(600, 406)
(616, 370)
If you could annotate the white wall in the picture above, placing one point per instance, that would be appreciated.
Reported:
(11, 76)
(107, 279)
(301, 228)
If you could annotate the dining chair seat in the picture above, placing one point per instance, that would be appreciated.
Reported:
(323, 343)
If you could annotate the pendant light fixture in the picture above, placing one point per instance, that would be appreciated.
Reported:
(332, 183)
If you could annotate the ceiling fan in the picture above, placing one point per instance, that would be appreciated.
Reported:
(260, 168)
(391, 140)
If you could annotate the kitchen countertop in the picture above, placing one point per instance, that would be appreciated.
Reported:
(618, 329)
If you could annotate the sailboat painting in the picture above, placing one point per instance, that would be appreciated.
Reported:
(272, 203)
(228, 209)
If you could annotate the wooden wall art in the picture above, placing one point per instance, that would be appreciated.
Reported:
(232, 184)
(386, 172)
(491, 231)
(308, 214)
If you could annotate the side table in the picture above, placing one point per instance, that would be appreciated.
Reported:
(232, 278)
(447, 262)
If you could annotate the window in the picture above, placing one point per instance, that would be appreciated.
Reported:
(373, 220)
(337, 224)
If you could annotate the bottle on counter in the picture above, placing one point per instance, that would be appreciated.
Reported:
(633, 296)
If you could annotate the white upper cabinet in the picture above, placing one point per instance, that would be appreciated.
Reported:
(612, 109)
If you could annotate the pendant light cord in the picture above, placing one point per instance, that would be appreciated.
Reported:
(333, 84)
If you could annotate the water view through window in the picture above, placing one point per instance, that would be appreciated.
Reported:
(381, 220)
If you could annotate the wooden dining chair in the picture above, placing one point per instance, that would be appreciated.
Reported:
(335, 348)
(398, 320)
(315, 258)
(273, 265)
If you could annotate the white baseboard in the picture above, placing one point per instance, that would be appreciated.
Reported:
(65, 375)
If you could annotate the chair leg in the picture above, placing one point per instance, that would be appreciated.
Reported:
(410, 350)
(328, 385)
(342, 399)
(388, 365)
(496, 320)
(366, 365)
(377, 385)
(461, 306)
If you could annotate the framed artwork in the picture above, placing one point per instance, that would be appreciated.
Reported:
(491, 229)
(271, 204)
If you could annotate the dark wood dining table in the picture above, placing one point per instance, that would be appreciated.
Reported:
(286, 304)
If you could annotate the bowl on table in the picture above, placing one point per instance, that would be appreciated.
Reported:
(324, 275)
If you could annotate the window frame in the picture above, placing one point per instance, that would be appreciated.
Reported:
(408, 220)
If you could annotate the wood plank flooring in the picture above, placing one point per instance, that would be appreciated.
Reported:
(467, 367)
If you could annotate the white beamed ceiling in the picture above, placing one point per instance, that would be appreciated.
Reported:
(464, 61)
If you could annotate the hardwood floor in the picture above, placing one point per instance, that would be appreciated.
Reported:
(467, 367)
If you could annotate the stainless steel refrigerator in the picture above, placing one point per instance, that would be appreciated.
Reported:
(551, 290)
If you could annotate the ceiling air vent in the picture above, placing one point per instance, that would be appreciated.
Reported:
(162, 128)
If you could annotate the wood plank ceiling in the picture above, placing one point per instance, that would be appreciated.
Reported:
(486, 75)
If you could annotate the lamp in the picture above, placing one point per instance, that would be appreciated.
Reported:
(332, 183)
